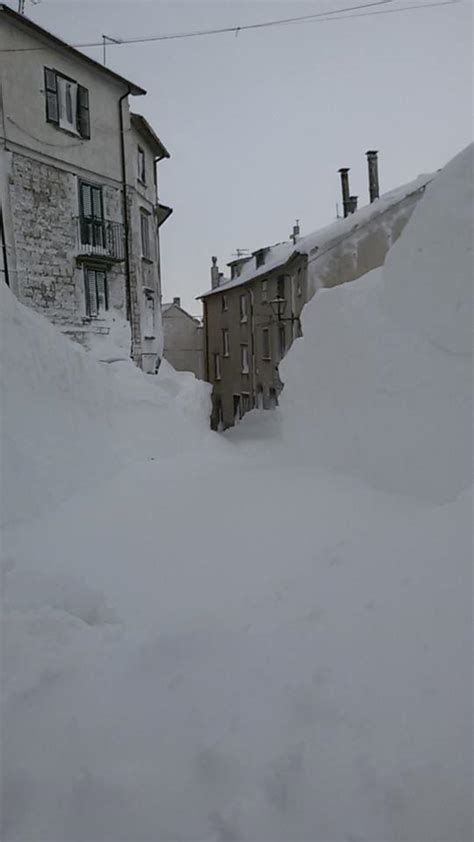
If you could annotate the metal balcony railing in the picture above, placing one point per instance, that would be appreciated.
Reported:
(101, 238)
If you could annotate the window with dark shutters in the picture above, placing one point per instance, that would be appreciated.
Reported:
(92, 215)
(83, 115)
(51, 91)
(67, 103)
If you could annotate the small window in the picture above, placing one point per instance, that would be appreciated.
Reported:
(281, 287)
(260, 258)
(282, 340)
(243, 308)
(245, 402)
(217, 366)
(224, 303)
(266, 353)
(149, 332)
(244, 359)
(96, 292)
(67, 103)
(237, 409)
(264, 291)
(141, 165)
(299, 283)
(225, 342)
(145, 233)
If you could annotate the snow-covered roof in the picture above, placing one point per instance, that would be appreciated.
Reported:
(279, 254)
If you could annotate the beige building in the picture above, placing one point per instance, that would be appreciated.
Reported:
(252, 317)
(80, 214)
(183, 339)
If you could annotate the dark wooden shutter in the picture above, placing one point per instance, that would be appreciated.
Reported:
(51, 92)
(83, 114)
(91, 293)
(101, 286)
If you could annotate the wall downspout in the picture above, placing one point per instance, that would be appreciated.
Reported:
(206, 343)
(4, 249)
(128, 289)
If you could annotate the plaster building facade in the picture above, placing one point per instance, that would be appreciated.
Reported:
(183, 339)
(252, 317)
(79, 205)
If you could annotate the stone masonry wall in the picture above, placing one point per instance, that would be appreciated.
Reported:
(45, 206)
(42, 198)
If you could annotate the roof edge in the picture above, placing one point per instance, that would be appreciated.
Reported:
(22, 20)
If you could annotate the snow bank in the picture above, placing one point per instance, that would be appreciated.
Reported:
(69, 422)
(381, 385)
(241, 641)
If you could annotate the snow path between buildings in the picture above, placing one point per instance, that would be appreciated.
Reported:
(248, 637)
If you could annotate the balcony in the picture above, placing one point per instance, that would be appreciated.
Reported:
(101, 239)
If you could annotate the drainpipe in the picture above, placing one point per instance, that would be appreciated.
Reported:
(4, 249)
(206, 341)
(128, 290)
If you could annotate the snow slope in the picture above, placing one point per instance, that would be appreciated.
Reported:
(254, 637)
(69, 422)
(385, 368)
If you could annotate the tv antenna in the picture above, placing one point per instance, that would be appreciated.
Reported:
(240, 253)
(106, 39)
(21, 5)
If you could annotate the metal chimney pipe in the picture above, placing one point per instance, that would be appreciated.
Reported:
(353, 203)
(346, 201)
(373, 166)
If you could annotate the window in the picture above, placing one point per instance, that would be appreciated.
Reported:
(281, 287)
(224, 303)
(145, 234)
(243, 308)
(141, 165)
(266, 352)
(217, 366)
(91, 210)
(237, 411)
(245, 404)
(299, 284)
(264, 291)
(282, 340)
(244, 359)
(260, 258)
(67, 103)
(96, 292)
(149, 332)
(225, 342)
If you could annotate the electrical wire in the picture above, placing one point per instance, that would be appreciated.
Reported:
(319, 17)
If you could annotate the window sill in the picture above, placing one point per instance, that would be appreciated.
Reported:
(147, 259)
(245, 372)
(267, 359)
(244, 321)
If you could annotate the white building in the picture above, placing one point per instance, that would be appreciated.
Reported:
(80, 215)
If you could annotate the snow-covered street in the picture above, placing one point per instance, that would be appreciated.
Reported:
(261, 635)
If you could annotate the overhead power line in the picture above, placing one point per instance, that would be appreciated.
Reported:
(319, 17)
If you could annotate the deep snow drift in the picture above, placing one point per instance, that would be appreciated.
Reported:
(259, 637)
(69, 423)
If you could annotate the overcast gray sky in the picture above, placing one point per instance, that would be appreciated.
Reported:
(258, 124)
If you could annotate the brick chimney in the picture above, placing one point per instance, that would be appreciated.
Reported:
(346, 199)
(215, 274)
(296, 232)
(373, 166)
